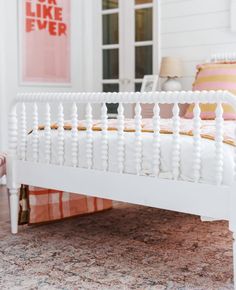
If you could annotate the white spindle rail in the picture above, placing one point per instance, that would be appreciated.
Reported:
(156, 140)
(89, 132)
(138, 138)
(120, 144)
(127, 98)
(61, 137)
(155, 98)
(35, 134)
(196, 142)
(219, 144)
(23, 133)
(104, 125)
(176, 142)
(47, 132)
(74, 136)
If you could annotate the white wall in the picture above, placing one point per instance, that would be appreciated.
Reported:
(194, 29)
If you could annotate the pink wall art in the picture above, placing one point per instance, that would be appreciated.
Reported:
(45, 41)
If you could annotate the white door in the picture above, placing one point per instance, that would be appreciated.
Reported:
(129, 44)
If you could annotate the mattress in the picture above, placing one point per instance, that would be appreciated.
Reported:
(186, 150)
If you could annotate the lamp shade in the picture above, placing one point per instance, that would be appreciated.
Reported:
(171, 67)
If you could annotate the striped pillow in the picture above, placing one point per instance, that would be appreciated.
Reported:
(214, 76)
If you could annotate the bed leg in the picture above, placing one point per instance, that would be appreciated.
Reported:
(14, 208)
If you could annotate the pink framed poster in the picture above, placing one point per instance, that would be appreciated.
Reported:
(45, 42)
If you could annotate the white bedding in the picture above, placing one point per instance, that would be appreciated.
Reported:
(207, 157)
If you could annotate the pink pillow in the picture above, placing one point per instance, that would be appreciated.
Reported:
(214, 76)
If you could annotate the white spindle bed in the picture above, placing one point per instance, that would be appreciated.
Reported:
(211, 200)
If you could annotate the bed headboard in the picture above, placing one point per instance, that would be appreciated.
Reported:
(223, 57)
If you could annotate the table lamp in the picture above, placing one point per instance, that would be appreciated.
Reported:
(172, 69)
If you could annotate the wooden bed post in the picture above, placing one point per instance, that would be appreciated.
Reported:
(11, 170)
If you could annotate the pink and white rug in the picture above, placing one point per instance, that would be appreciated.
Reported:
(128, 247)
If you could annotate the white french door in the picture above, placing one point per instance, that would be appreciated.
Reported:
(129, 44)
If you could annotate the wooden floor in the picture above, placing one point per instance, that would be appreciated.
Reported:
(4, 209)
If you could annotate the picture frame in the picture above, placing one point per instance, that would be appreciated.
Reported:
(55, 69)
(149, 83)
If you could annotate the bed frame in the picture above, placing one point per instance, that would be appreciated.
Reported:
(212, 200)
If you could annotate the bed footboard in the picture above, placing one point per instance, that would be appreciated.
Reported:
(19, 170)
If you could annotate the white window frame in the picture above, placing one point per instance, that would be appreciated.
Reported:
(126, 72)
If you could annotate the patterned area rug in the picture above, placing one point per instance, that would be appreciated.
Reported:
(129, 247)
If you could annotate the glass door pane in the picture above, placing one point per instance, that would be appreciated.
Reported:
(138, 87)
(110, 24)
(110, 49)
(110, 88)
(109, 4)
(143, 40)
(137, 2)
(110, 64)
(143, 61)
(143, 24)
